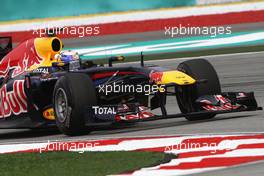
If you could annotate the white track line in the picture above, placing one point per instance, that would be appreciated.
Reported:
(196, 57)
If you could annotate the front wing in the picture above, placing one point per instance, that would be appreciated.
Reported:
(227, 102)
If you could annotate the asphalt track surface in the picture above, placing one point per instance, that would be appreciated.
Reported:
(237, 72)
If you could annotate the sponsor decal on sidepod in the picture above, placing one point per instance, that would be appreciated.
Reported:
(13, 102)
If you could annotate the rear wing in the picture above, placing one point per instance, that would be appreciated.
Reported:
(5, 46)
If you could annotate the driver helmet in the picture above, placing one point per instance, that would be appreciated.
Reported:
(67, 56)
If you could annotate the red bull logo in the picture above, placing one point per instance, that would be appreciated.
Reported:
(13, 102)
(20, 59)
(156, 76)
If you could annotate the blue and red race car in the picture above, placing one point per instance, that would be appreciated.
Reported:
(42, 86)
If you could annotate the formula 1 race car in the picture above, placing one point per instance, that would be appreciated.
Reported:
(42, 86)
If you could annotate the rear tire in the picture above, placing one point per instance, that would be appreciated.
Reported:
(197, 69)
(72, 94)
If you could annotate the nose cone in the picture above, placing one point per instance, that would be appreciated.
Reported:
(176, 77)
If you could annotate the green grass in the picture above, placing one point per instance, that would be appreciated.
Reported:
(76, 164)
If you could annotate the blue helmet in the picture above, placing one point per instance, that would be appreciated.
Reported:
(68, 56)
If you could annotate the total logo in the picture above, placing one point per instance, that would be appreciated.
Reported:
(104, 110)
(13, 102)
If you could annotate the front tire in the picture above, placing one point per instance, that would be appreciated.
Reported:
(72, 94)
(197, 69)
